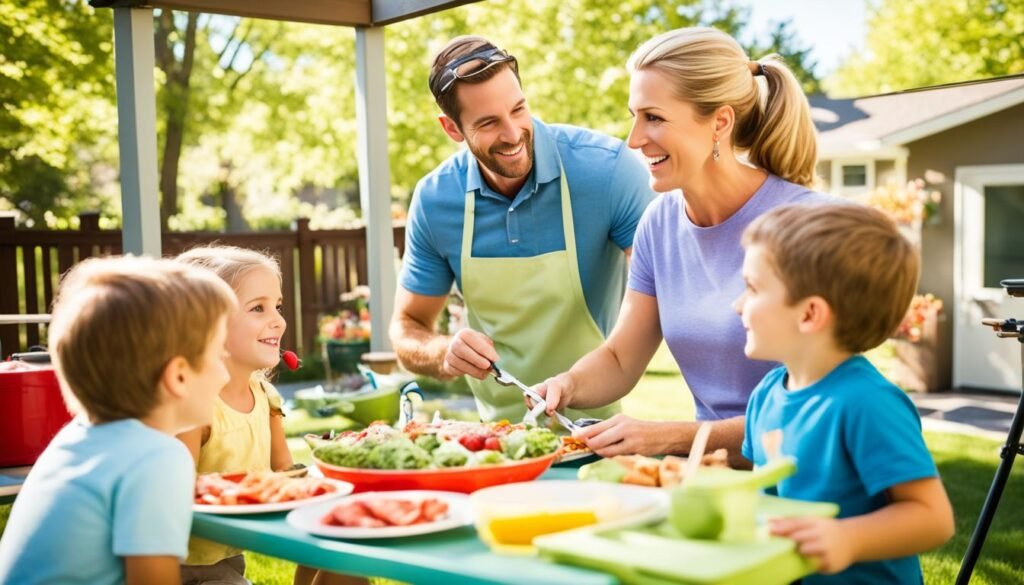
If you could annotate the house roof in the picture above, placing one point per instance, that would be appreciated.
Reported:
(336, 12)
(863, 126)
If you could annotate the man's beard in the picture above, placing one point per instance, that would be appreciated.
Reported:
(490, 159)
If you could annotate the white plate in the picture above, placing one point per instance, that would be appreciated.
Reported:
(308, 518)
(344, 488)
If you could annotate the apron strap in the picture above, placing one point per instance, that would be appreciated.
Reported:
(568, 227)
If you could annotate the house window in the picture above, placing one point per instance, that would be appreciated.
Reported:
(855, 175)
(1004, 238)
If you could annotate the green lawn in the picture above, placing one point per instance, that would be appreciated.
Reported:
(967, 465)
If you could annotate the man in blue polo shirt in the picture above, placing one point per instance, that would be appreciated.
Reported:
(533, 222)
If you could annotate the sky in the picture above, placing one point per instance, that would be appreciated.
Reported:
(832, 28)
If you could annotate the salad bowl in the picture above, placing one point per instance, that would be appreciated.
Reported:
(450, 479)
(443, 455)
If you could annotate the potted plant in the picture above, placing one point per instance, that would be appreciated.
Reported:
(910, 205)
(916, 341)
(344, 338)
(916, 344)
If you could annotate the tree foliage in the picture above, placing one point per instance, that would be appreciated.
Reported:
(918, 43)
(784, 41)
(57, 113)
(256, 118)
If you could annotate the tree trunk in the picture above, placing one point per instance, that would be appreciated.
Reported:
(176, 94)
(235, 219)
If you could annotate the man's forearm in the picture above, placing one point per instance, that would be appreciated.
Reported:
(420, 350)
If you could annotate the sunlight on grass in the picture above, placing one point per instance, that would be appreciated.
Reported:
(659, 397)
(264, 570)
(663, 363)
(967, 465)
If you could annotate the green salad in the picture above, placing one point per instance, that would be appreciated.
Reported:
(445, 444)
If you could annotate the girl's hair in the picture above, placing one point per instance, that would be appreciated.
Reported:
(231, 264)
(709, 69)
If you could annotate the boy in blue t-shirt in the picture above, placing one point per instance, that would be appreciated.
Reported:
(137, 344)
(824, 284)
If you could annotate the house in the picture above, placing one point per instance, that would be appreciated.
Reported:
(966, 140)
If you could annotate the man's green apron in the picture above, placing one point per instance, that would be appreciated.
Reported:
(534, 310)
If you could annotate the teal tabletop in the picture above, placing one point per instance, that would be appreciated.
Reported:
(455, 556)
(11, 480)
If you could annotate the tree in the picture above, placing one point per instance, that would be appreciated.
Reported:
(174, 99)
(918, 43)
(202, 59)
(57, 89)
(800, 59)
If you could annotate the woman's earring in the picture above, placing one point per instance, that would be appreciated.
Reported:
(714, 150)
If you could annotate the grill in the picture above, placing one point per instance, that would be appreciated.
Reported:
(1008, 329)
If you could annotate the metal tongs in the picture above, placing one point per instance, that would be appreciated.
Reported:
(506, 379)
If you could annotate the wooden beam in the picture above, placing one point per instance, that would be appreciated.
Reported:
(392, 11)
(334, 12)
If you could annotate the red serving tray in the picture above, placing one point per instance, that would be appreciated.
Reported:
(452, 479)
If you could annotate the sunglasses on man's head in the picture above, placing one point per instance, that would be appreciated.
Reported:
(468, 66)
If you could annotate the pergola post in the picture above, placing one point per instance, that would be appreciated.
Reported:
(136, 130)
(374, 180)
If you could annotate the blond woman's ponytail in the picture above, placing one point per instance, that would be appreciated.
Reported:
(782, 141)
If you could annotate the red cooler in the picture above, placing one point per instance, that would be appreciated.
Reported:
(31, 408)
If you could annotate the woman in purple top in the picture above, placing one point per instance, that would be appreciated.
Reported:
(698, 102)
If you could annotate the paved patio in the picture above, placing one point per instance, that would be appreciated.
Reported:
(980, 414)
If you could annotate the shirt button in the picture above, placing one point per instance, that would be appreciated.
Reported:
(511, 209)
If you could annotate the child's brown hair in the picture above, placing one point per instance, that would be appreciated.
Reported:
(852, 256)
(117, 323)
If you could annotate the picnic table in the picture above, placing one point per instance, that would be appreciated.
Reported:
(453, 556)
(11, 480)
(27, 319)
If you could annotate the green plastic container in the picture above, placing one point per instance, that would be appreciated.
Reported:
(343, 356)
(379, 404)
(363, 406)
(721, 504)
(656, 554)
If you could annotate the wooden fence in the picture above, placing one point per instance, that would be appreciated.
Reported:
(317, 266)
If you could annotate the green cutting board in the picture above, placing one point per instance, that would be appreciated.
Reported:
(657, 555)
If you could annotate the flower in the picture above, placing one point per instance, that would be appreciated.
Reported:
(346, 326)
(353, 322)
(909, 205)
(923, 308)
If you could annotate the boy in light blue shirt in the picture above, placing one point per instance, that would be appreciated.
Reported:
(824, 284)
(137, 344)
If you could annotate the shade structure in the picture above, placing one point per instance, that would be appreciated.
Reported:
(365, 13)
(136, 108)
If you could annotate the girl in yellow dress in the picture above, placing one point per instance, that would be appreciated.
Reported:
(247, 433)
